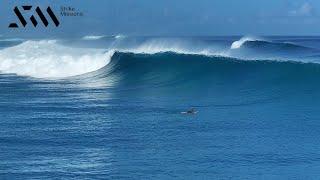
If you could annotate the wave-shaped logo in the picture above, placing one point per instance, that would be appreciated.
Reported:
(33, 20)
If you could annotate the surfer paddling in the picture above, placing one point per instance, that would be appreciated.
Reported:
(190, 111)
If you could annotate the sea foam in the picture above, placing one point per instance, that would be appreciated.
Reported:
(47, 59)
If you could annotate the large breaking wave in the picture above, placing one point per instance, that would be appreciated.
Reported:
(50, 59)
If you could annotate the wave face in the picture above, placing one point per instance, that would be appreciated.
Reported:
(173, 69)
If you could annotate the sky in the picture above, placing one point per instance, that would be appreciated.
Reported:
(169, 17)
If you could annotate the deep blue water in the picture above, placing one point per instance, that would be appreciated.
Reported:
(258, 109)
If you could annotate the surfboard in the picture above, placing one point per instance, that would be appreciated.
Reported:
(184, 112)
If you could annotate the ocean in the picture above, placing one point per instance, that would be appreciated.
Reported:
(110, 107)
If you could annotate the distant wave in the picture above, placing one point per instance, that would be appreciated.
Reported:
(92, 37)
(97, 37)
(237, 44)
(266, 45)
(259, 43)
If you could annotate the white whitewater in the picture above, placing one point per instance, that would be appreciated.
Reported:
(47, 59)
(240, 42)
(92, 37)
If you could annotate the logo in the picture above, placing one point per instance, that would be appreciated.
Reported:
(70, 11)
(33, 20)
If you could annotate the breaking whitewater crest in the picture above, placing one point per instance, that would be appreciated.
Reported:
(50, 59)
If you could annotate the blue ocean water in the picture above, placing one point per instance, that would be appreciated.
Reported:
(109, 107)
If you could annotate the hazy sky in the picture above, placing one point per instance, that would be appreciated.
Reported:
(172, 17)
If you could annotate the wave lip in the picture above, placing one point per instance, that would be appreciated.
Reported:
(48, 59)
(240, 42)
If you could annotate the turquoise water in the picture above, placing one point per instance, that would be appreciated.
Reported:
(258, 109)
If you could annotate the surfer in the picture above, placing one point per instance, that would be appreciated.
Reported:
(190, 111)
